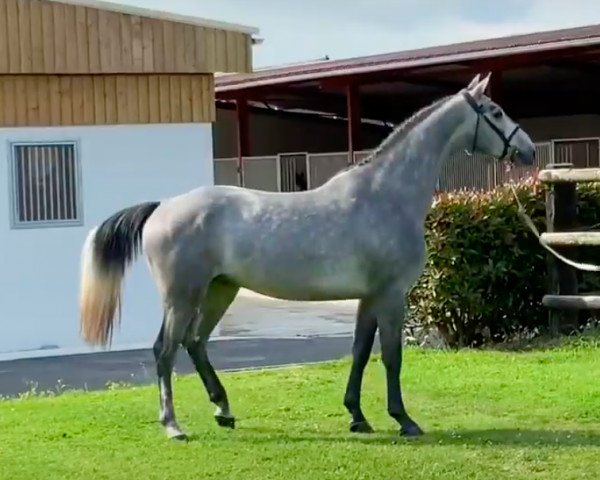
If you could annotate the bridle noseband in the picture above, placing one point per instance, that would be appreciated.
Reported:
(481, 114)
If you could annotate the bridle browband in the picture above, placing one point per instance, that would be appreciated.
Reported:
(481, 114)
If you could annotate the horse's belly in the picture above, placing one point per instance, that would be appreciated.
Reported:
(319, 281)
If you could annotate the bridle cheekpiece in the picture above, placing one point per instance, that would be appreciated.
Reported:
(481, 114)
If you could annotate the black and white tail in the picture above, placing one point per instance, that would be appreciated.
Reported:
(107, 252)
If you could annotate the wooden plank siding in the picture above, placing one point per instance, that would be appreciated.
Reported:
(43, 37)
(66, 100)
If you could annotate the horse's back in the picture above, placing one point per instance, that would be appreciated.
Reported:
(302, 245)
(210, 215)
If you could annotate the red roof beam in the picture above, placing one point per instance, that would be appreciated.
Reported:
(478, 65)
(254, 93)
(339, 84)
(472, 62)
(527, 59)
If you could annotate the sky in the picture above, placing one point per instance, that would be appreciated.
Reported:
(304, 30)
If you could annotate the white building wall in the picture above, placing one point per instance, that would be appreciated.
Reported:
(39, 267)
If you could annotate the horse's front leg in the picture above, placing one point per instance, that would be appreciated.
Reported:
(364, 335)
(389, 310)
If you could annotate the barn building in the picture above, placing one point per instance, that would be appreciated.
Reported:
(101, 106)
(293, 127)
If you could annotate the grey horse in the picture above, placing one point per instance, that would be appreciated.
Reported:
(358, 236)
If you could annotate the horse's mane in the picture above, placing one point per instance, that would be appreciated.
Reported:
(401, 131)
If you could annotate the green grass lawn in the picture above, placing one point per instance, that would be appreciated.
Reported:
(486, 415)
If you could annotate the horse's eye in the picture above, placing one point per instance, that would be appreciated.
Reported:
(497, 114)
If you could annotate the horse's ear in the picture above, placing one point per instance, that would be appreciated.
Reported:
(474, 82)
(478, 90)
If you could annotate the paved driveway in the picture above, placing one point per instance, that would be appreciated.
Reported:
(93, 371)
(256, 332)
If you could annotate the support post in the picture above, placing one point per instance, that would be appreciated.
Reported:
(243, 136)
(354, 120)
(561, 214)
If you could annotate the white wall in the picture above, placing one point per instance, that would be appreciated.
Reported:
(39, 268)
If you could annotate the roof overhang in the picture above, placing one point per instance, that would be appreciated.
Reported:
(468, 56)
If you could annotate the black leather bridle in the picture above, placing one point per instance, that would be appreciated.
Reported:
(481, 114)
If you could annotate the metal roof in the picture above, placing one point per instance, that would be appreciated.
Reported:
(554, 40)
(160, 15)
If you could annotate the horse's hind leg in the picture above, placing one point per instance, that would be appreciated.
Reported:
(176, 322)
(219, 297)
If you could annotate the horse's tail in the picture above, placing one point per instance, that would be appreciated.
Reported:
(108, 250)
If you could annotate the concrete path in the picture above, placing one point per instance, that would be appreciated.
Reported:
(254, 315)
(94, 371)
(257, 331)
(250, 316)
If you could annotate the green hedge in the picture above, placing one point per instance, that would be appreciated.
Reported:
(486, 272)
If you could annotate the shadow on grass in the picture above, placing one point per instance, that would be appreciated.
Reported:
(500, 437)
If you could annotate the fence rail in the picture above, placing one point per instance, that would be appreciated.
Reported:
(575, 239)
(563, 300)
(570, 175)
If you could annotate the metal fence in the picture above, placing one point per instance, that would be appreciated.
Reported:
(481, 172)
(460, 171)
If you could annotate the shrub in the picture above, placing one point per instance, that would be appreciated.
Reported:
(486, 272)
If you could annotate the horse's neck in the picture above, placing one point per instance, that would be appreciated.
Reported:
(408, 174)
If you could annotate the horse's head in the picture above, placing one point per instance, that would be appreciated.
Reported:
(494, 132)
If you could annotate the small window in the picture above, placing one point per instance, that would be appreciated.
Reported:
(45, 185)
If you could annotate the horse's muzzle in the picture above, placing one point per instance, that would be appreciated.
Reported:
(523, 156)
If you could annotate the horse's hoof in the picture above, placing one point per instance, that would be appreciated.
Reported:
(176, 434)
(225, 422)
(411, 430)
(361, 427)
